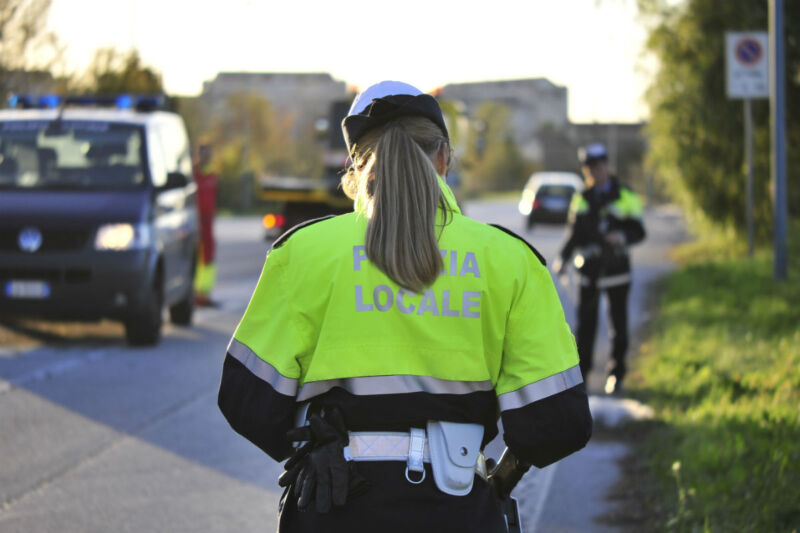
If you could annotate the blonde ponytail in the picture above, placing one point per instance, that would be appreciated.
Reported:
(394, 179)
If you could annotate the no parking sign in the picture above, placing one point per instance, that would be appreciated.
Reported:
(747, 62)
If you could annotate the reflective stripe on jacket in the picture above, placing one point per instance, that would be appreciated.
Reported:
(325, 324)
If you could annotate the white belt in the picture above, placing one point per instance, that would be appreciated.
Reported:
(412, 447)
(604, 282)
(386, 446)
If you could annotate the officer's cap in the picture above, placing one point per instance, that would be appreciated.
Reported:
(592, 153)
(385, 101)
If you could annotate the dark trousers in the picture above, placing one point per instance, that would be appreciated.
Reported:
(587, 327)
(393, 505)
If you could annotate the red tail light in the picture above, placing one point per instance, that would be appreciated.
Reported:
(271, 221)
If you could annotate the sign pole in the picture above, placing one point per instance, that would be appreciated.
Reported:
(778, 107)
(748, 150)
(747, 73)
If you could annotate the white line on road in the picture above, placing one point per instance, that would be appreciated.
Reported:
(52, 370)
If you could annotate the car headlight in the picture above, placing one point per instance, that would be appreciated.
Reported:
(119, 237)
(526, 203)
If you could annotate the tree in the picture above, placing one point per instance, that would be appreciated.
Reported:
(267, 139)
(492, 160)
(115, 72)
(250, 137)
(25, 45)
(696, 133)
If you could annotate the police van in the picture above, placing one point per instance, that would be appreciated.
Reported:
(97, 212)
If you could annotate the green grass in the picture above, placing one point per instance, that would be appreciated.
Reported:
(722, 370)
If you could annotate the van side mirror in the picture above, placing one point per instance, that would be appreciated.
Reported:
(175, 180)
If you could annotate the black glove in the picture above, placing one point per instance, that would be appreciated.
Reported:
(318, 470)
(506, 473)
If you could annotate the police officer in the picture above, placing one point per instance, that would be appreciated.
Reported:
(606, 218)
(206, 180)
(399, 332)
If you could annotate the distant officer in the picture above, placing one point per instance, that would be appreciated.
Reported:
(206, 180)
(404, 328)
(606, 218)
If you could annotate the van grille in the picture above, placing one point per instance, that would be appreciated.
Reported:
(53, 240)
(53, 275)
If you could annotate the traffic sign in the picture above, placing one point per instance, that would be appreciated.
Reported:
(747, 64)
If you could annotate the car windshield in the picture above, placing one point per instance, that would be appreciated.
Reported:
(71, 155)
(556, 190)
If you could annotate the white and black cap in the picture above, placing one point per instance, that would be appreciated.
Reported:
(592, 153)
(385, 101)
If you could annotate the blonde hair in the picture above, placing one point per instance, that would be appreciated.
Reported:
(394, 179)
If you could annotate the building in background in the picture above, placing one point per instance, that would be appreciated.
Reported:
(536, 105)
(305, 96)
(27, 82)
(539, 119)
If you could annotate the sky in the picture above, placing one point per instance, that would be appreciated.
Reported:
(593, 47)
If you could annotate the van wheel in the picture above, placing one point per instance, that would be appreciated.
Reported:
(181, 313)
(144, 328)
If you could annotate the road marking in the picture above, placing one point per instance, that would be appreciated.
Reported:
(52, 370)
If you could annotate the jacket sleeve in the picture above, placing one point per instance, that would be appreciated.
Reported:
(582, 227)
(633, 230)
(543, 402)
(632, 223)
(569, 245)
(261, 370)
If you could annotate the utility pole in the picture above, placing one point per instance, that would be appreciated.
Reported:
(777, 65)
(748, 150)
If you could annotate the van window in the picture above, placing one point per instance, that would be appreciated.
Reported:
(156, 157)
(176, 147)
(71, 154)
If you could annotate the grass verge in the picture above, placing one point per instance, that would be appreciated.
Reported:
(722, 371)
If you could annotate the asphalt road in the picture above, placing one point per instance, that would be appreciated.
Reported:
(97, 436)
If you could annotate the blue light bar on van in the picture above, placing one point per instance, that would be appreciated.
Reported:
(122, 101)
(27, 101)
(49, 101)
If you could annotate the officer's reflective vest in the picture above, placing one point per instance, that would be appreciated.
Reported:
(323, 316)
(598, 262)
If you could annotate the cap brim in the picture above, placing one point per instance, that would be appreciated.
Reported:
(593, 160)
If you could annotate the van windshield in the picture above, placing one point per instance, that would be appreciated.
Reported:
(71, 154)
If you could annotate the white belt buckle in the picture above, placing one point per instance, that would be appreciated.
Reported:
(416, 454)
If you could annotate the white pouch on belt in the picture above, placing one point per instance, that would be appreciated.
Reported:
(454, 451)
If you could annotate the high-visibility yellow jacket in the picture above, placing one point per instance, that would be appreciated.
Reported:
(593, 215)
(487, 337)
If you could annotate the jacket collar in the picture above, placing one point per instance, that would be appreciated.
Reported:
(593, 196)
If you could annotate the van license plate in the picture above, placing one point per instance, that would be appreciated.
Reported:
(27, 289)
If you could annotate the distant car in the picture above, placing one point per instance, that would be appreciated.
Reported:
(547, 196)
(98, 215)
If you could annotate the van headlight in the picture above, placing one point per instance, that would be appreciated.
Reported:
(120, 237)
